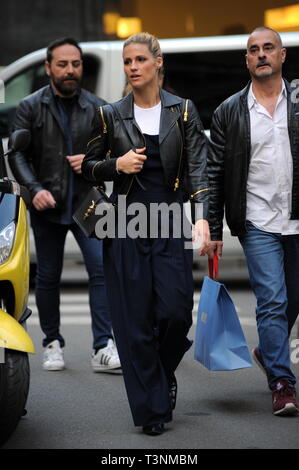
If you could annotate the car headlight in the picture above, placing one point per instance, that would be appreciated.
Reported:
(6, 241)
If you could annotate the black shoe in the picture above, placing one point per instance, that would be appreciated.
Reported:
(154, 429)
(173, 389)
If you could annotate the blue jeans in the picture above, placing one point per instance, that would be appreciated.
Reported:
(49, 241)
(273, 264)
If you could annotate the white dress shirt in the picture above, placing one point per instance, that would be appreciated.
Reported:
(270, 177)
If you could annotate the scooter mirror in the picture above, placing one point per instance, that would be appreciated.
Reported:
(19, 140)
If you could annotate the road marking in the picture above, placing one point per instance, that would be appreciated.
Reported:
(66, 298)
(71, 320)
(74, 308)
(80, 319)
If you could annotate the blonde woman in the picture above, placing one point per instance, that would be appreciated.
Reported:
(152, 138)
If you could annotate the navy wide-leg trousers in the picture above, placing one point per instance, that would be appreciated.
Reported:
(150, 293)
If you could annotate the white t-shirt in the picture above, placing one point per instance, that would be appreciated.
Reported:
(148, 119)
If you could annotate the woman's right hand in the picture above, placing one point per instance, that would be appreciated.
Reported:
(131, 162)
(43, 200)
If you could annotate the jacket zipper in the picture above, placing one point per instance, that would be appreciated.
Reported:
(104, 132)
(198, 192)
(94, 167)
(130, 185)
(104, 122)
(92, 140)
(177, 180)
(186, 111)
(185, 118)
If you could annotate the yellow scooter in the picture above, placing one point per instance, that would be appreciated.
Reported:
(15, 343)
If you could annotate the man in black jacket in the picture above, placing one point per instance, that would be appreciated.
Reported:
(59, 117)
(254, 173)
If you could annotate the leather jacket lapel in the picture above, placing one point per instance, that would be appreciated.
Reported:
(134, 133)
(169, 116)
(126, 114)
(48, 99)
(170, 112)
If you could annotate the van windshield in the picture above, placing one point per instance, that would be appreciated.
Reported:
(208, 78)
(33, 78)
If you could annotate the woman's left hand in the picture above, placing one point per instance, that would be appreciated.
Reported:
(201, 229)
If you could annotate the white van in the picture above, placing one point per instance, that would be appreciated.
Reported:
(206, 70)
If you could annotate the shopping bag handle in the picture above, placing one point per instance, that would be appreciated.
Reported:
(214, 267)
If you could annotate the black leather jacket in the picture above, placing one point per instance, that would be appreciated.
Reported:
(43, 165)
(116, 132)
(229, 158)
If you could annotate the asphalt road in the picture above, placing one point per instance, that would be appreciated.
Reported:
(79, 409)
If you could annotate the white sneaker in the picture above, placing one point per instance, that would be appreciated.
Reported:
(53, 357)
(106, 359)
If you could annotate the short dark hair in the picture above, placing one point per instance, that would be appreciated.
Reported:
(266, 28)
(61, 42)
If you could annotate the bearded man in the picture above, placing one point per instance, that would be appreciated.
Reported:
(59, 117)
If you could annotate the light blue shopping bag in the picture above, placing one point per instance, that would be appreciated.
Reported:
(219, 342)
